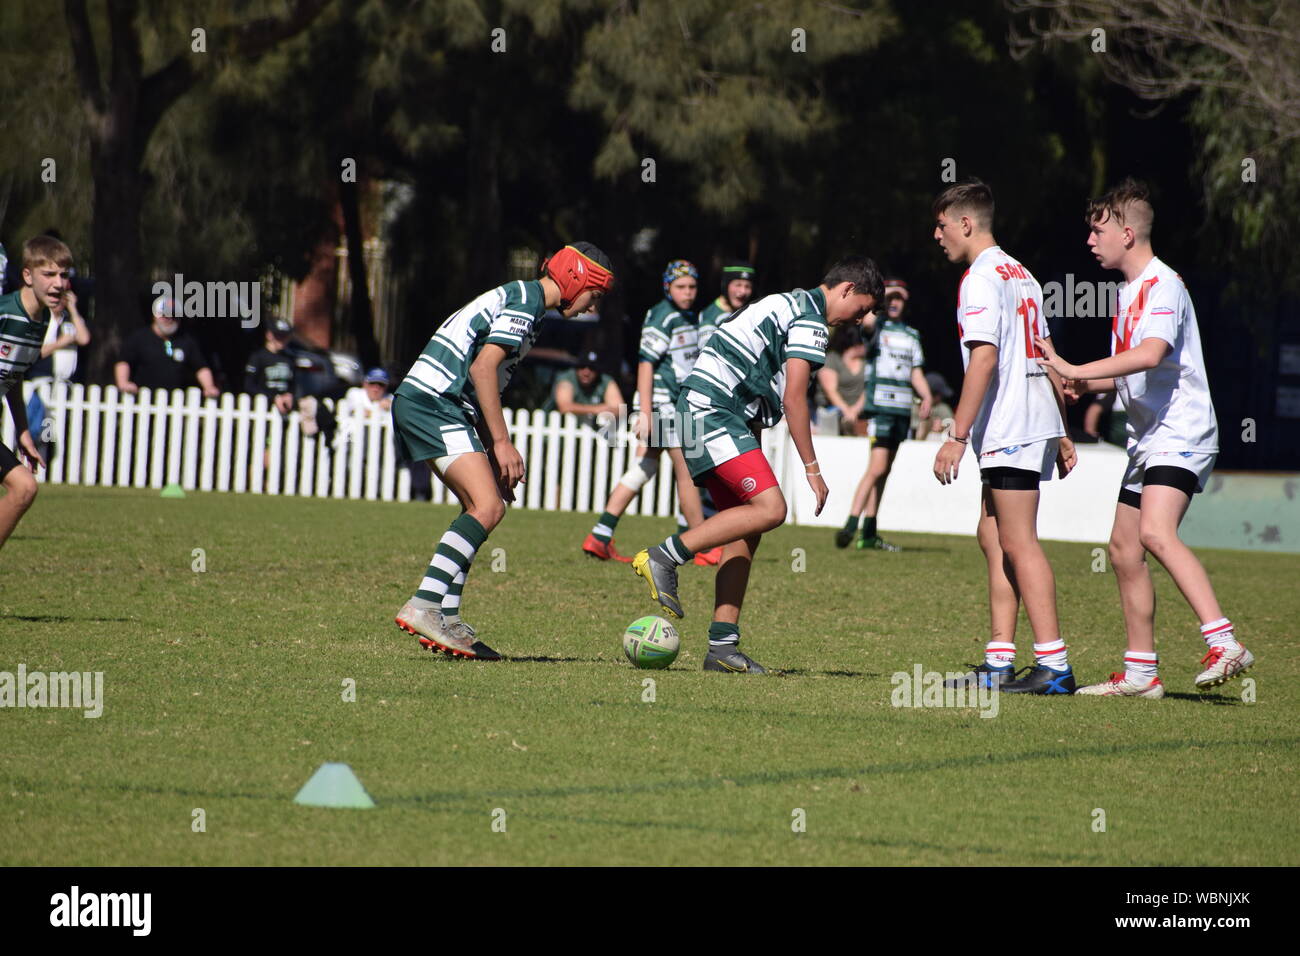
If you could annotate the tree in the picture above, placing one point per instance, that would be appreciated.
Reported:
(123, 108)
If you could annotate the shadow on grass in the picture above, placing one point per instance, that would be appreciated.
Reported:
(803, 672)
(1218, 700)
(63, 619)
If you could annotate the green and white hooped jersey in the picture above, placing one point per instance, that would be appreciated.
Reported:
(714, 314)
(890, 360)
(20, 339)
(670, 342)
(509, 316)
(743, 366)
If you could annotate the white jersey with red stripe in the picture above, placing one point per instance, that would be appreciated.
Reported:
(1000, 302)
(1169, 407)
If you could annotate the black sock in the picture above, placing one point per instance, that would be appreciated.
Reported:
(868, 527)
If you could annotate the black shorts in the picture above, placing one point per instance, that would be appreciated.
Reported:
(1184, 479)
(1010, 479)
(8, 462)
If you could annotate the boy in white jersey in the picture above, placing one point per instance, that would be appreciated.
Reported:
(24, 318)
(1173, 438)
(447, 411)
(1013, 417)
(755, 369)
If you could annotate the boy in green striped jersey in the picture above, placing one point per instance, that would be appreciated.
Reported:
(447, 411)
(755, 369)
(894, 375)
(24, 319)
(737, 290)
(669, 347)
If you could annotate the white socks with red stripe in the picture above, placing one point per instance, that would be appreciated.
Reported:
(1051, 654)
(999, 654)
(1219, 634)
(1140, 666)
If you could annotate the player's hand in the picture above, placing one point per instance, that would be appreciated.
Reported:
(510, 464)
(284, 402)
(1073, 389)
(926, 406)
(1066, 457)
(28, 449)
(819, 490)
(948, 461)
(1053, 361)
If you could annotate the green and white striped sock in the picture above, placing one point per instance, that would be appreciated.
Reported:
(455, 554)
(604, 529)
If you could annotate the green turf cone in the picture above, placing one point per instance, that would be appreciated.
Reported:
(173, 491)
(334, 785)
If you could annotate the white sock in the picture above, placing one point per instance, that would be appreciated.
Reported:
(1140, 666)
(1051, 654)
(999, 654)
(1219, 634)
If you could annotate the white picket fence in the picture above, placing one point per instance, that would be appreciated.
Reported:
(242, 444)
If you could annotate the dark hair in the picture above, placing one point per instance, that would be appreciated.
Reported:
(973, 196)
(594, 254)
(1116, 203)
(860, 271)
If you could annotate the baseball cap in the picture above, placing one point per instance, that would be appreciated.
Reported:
(280, 328)
(376, 376)
(589, 360)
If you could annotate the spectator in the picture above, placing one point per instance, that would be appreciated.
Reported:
(585, 391)
(162, 356)
(940, 414)
(842, 383)
(269, 370)
(371, 399)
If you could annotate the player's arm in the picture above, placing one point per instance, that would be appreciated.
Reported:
(923, 391)
(645, 380)
(1144, 356)
(1066, 458)
(19, 412)
(485, 374)
(798, 373)
(979, 375)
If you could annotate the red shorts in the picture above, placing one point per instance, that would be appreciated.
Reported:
(735, 482)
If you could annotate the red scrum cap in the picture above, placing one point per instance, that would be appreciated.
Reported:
(577, 268)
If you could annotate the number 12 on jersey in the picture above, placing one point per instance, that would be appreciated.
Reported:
(1024, 309)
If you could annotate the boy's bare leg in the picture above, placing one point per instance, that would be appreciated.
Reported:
(688, 496)
(1016, 514)
(729, 595)
(1162, 512)
(1137, 595)
(765, 511)
(1004, 595)
(20, 491)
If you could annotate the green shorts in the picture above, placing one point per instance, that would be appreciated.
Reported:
(711, 435)
(888, 431)
(429, 429)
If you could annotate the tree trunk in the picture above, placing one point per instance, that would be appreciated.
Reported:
(362, 319)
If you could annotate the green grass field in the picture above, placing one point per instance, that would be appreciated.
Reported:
(223, 690)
